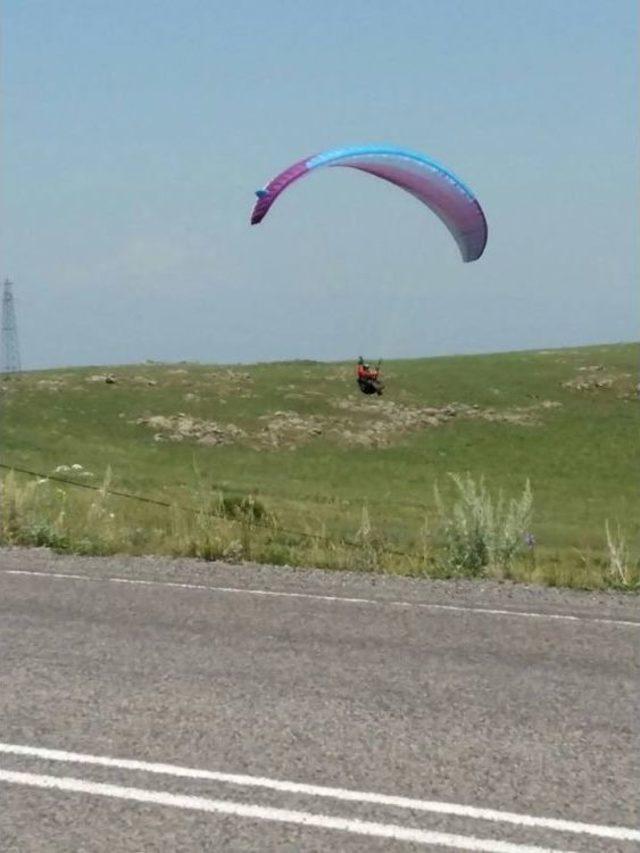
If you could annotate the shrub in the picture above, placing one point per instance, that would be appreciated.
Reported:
(479, 532)
(43, 534)
(244, 507)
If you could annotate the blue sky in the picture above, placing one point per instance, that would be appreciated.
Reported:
(134, 135)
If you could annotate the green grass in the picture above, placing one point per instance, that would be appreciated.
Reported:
(580, 455)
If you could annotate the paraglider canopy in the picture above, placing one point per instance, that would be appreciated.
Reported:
(431, 183)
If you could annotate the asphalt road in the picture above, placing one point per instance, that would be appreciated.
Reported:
(250, 684)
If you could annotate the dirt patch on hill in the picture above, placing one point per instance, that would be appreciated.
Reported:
(229, 381)
(393, 420)
(182, 427)
(51, 384)
(356, 423)
(594, 377)
(144, 380)
(287, 429)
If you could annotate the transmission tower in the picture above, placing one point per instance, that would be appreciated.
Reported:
(10, 348)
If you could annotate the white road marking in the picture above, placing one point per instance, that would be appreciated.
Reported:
(256, 812)
(372, 602)
(346, 795)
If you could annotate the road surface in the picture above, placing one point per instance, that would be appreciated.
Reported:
(157, 705)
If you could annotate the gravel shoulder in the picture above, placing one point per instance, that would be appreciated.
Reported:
(460, 592)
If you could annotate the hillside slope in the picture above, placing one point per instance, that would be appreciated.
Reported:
(314, 450)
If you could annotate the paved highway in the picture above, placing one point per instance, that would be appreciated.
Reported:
(157, 705)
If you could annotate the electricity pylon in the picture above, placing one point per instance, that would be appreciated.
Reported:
(10, 348)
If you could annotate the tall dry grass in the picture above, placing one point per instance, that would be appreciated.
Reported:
(473, 533)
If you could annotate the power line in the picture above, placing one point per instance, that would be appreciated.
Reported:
(303, 534)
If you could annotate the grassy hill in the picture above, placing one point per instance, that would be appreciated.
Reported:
(312, 451)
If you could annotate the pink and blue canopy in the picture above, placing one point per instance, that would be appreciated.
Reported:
(428, 181)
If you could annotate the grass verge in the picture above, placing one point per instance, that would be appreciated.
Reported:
(473, 532)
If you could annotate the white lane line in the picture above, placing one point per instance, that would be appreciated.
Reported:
(255, 812)
(346, 795)
(372, 602)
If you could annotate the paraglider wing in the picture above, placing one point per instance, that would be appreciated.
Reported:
(428, 181)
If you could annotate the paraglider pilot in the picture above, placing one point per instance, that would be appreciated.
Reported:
(368, 378)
